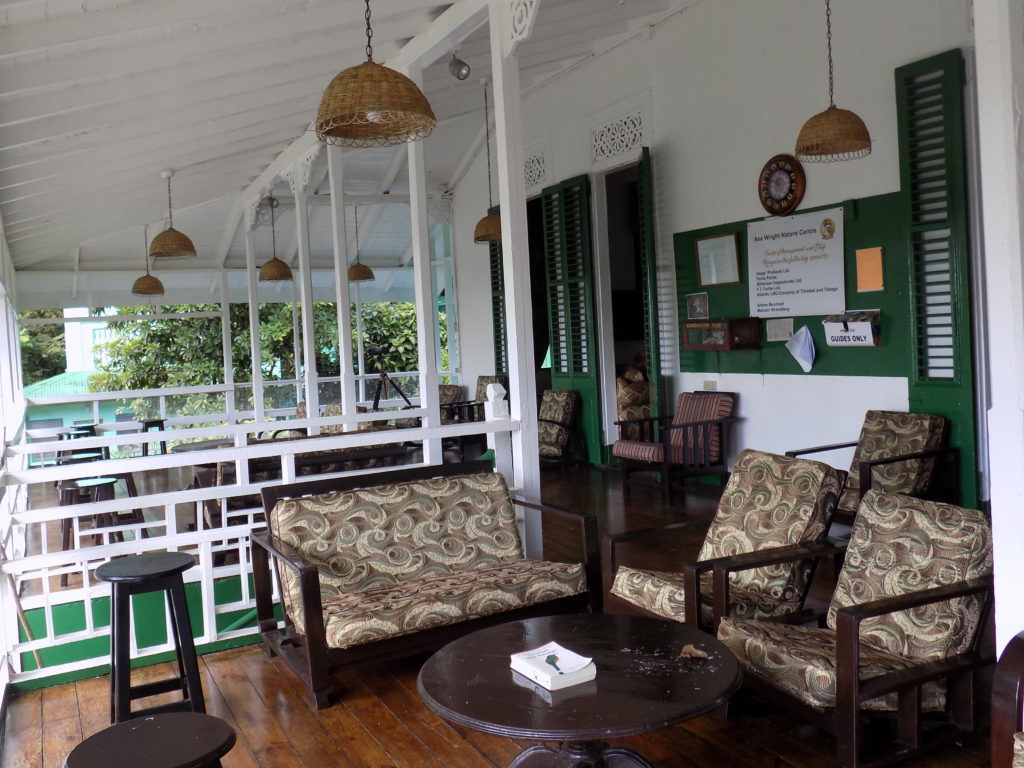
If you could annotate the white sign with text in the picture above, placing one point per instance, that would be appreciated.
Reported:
(795, 265)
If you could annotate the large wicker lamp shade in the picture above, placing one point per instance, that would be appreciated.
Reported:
(488, 229)
(371, 105)
(359, 272)
(147, 285)
(171, 244)
(274, 270)
(835, 134)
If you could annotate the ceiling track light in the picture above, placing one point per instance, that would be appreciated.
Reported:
(459, 69)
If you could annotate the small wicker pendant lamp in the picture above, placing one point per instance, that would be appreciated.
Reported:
(835, 134)
(488, 229)
(371, 105)
(275, 270)
(359, 272)
(147, 285)
(171, 244)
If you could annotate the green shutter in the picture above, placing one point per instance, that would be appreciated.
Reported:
(929, 97)
(569, 267)
(499, 327)
(649, 274)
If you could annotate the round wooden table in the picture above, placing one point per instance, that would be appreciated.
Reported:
(642, 685)
(169, 740)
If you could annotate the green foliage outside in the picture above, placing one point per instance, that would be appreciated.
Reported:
(42, 347)
(184, 352)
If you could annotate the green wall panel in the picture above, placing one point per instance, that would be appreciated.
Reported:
(869, 222)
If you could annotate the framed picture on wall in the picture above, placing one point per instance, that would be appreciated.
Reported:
(697, 306)
(718, 261)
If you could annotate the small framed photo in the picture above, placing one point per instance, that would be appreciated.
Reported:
(718, 260)
(697, 306)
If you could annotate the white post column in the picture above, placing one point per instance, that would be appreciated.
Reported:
(335, 180)
(522, 394)
(298, 180)
(426, 306)
(1000, 67)
(254, 309)
(225, 339)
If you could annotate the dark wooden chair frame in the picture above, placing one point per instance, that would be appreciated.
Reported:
(309, 656)
(1007, 701)
(695, 445)
(572, 451)
(844, 720)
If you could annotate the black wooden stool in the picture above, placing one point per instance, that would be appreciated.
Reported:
(170, 740)
(132, 575)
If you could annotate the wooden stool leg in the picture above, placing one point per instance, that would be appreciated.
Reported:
(182, 627)
(121, 670)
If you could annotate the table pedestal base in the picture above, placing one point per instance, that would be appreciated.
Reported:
(579, 754)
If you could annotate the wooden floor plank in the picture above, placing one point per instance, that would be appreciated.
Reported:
(23, 732)
(61, 736)
(240, 755)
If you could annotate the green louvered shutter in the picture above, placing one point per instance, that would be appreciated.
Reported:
(649, 275)
(569, 267)
(929, 97)
(499, 327)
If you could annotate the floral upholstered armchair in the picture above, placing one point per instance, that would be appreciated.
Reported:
(896, 453)
(770, 502)
(554, 425)
(902, 631)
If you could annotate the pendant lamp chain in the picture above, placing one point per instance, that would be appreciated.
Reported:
(273, 230)
(369, 33)
(358, 272)
(145, 246)
(170, 208)
(355, 215)
(487, 139)
(828, 39)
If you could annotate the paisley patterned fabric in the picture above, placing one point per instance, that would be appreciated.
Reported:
(801, 660)
(445, 597)
(891, 433)
(446, 395)
(332, 409)
(632, 401)
(770, 501)
(405, 556)
(483, 381)
(557, 410)
(898, 545)
(1018, 750)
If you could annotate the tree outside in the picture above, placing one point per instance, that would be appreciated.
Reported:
(42, 347)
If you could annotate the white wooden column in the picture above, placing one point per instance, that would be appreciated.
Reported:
(426, 305)
(298, 180)
(522, 394)
(1000, 72)
(254, 309)
(335, 180)
(225, 338)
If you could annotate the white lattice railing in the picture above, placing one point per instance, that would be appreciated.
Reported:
(65, 616)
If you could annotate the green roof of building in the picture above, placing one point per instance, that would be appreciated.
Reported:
(67, 383)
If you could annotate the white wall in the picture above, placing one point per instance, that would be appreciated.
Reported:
(730, 82)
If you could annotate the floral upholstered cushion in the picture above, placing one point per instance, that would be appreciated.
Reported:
(444, 597)
(801, 660)
(557, 410)
(1018, 750)
(446, 395)
(483, 381)
(769, 501)
(332, 409)
(900, 544)
(632, 401)
(382, 536)
(890, 433)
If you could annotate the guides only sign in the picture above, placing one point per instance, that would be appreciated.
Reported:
(795, 265)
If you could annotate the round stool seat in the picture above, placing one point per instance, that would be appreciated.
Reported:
(169, 740)
(80, 457)
(151, 565)
(86, 483)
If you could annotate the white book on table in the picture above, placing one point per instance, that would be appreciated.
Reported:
(553, 666)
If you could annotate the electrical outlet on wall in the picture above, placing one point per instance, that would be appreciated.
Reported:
(710, 386)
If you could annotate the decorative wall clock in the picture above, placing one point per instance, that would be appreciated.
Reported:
(781, 184)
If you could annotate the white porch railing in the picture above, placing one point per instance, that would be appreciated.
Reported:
(64, 618)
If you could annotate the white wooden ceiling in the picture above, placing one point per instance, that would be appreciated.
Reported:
(98, 96)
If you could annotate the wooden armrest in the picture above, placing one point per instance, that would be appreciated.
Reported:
(609, 542)
(707, 423)
(282, 551)
(866, 467)
(588, 543)
(723, 566)
(820, 448)
(848, 622)
(645, 420)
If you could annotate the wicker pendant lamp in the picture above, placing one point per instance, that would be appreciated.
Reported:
(359, 272)
(147, 285)
(171, 244)
(275, 270)
(370, 105)
(488, 229)
(835, 134)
